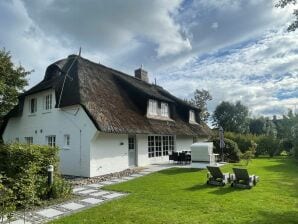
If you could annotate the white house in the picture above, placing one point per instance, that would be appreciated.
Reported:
(103, 120)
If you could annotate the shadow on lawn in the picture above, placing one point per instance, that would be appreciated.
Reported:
(174, 171)
(218, 190)
(270, 217)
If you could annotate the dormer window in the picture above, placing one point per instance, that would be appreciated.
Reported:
(159, 110)
(164, 110)
(152, 108)
(192, 118)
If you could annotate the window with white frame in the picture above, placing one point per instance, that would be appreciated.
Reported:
(160, 145)
(66, 141)
(152, 108)
(164, 110)
(48, 102)
(51, 140)
(192, 116)
(33, 105)
(29, 140)
(17, 140)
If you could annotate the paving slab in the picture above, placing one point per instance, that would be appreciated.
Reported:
(49, 213)
(107, 182)
(100, 193)
(92, 200)
(20, 221)
(118, 180)
(95, 185)
(136, 175)
(128, 178)
(78, 189)
(87, 191)
(72, 206)
(113, 195)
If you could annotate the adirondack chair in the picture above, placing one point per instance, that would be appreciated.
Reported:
(242, 179)
(216, 177)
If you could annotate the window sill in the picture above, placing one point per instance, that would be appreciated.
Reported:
(32, 115)
(160, 118)
(66, 148)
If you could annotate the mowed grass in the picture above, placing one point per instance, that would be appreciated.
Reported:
(181, 196)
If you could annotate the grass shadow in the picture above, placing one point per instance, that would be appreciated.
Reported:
(175, 171)
(218, 190)
(282, 217)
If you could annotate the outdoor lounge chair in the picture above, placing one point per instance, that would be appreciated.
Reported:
(216, 177)
(242, 179)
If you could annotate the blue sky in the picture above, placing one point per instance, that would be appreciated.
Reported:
(236, 49)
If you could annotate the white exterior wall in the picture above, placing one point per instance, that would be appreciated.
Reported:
(183, 143)
(74, 160)
(109, 153)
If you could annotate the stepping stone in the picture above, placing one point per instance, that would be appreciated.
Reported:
(136, 175)
(49, 213)
(78, 189)
(99, 193)
(20, 221)
(95, 185)
(107, 182)
(117, 180)
(92, 200)
(128, 178)
(72, 206)
(113, 195)
(87, 191)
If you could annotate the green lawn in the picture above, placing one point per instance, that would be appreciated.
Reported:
(181, 196)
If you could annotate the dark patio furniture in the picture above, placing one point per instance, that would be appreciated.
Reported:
(216, 177)
(241, 179)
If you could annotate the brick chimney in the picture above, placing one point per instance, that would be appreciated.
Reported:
(140, 73)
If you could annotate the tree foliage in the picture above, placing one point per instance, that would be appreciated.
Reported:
(232, 117)
(12, 82)
(201, 97)
(283, 3)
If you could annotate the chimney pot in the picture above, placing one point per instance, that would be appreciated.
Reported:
(142, 74)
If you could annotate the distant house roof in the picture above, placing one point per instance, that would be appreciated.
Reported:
(114, 101)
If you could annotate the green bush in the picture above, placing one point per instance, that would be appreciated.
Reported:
(26, 169)
(61, 188)
(267, 145)
(231, 150)
(244, 141)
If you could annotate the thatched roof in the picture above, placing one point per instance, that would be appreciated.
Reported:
(114, 101)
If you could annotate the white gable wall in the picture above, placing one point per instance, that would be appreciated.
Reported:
(74, 160)
(109, 153)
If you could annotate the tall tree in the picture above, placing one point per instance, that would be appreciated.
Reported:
(257, 126)
(12, 82)
(200, 100)
(284, 3)
(232, 117)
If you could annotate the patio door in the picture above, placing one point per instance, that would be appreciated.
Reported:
(132, 151)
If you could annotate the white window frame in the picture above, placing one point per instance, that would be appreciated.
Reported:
(35, 105)
(192, 117)
(29, 140)
(164, 109)
(51, 140)
(152, 107)
(67, 141)
(48, 102)
(160, 145)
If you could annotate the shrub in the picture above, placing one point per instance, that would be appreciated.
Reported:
(61, 188)
(7, 200)
(26, 168)
(244, 141)
(231, 150)
(267, 145)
